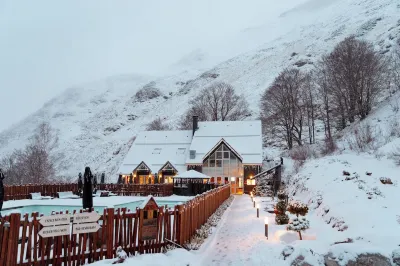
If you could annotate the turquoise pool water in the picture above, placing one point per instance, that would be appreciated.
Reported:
(47, 209)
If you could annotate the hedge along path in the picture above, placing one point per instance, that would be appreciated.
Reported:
(20, 243)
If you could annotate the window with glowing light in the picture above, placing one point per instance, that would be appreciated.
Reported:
(222, 162)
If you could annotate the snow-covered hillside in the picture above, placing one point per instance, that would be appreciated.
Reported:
(97, 121)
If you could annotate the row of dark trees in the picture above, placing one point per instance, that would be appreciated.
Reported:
(218, 102)
(343, 87)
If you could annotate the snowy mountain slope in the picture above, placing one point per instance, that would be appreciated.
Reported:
(358, 206)
(97, 121)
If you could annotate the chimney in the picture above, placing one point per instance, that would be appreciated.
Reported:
(195, 124)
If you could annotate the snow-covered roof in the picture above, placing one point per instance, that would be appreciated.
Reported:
(243, 136)
(191, 174)
(145, 201)
(155, 148)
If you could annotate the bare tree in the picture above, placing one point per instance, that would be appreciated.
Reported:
(310, 105)
(282, 106)
(34, 163)
(185, 123)
(45, 137)
(157, 125)
(356, 77)
(396, 67)
(321, 79)
(218, 102)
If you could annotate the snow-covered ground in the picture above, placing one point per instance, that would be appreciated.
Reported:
(98, 120)
(239, 239)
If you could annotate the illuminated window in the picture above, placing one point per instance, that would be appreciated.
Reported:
(222, 162)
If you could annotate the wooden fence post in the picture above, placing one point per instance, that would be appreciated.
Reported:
(110, 233)
(13, 237)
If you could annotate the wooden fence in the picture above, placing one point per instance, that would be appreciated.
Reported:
(23, 191)
(20, 243)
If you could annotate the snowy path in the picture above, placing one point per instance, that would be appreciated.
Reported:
(239, 238)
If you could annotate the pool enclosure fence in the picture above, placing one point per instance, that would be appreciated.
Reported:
(17, 192)
(20, 243)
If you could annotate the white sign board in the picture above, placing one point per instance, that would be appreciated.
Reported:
(58, 230)
(86, 217)
(55, 219)
(85, 228)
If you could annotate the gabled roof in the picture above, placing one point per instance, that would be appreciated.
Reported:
(156, 148)
(166, 165)
(217, 145)
(245, 137)
(141, 164)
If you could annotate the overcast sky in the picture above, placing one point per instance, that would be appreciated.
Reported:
(47, 46)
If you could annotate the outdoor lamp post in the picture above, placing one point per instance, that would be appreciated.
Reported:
(254, 203)
(266, 227)
(258, 210)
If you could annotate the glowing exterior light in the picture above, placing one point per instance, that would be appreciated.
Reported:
(266, 220)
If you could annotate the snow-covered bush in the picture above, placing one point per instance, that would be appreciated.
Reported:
(394, 128)
(302, 153)
(299, 224)
(329, 147)
(263, 187)
(363, 138)
(396, 155)
(148, 92)
(297, 208)
(280, 209)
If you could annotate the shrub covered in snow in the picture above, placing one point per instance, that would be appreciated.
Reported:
(299, 224)
(364, 138)
(396, 155)
(263, 188)
(280, 210)
(297, 208)
(302, 153)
